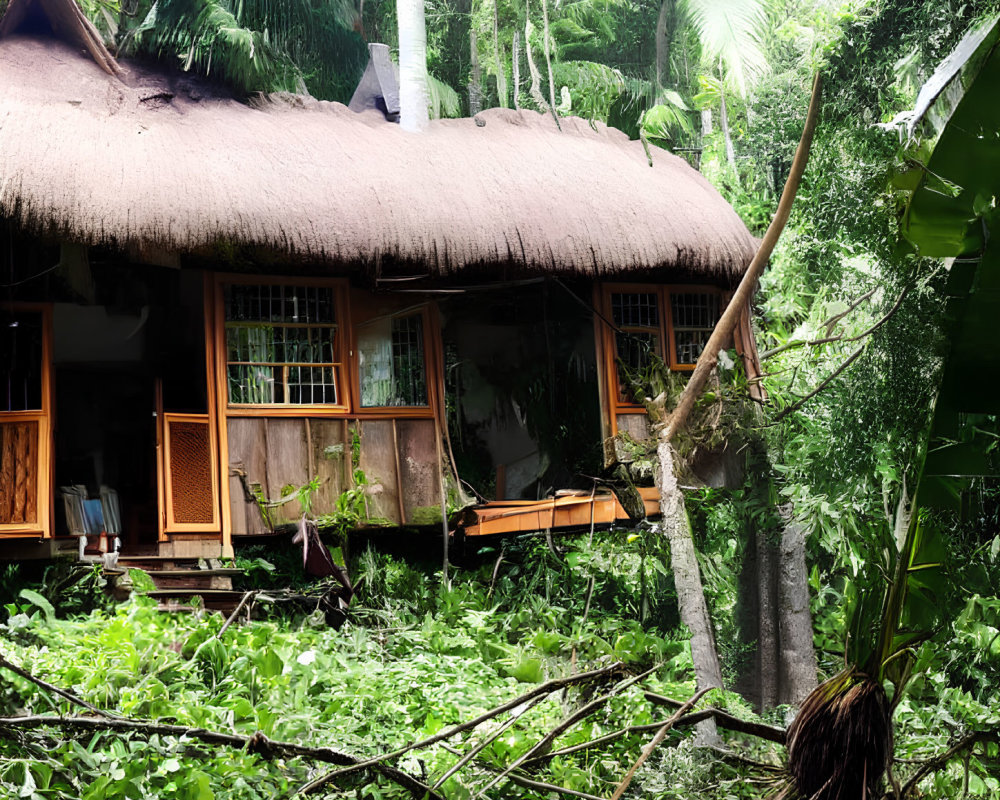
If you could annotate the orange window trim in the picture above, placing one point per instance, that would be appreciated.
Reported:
(666, 333)
(345, 364)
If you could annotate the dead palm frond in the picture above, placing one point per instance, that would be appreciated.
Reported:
(841, 740)
(839, 744)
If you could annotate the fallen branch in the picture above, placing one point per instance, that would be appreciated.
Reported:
(660, 735)
(729, 755)
(581, 713)
(542, 689)
(828, 324)
(475, 751)
(723, 719)
(247, 597)
(257, 743)
(5, 664)
(940, 761)
(528, 783)
(730, 317)
(822, 385)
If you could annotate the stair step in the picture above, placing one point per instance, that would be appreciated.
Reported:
(182, 592)
(224, 600)
(193, 573)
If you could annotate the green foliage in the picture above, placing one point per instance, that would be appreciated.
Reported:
(255, 45)
(414, 658)
(730, 33)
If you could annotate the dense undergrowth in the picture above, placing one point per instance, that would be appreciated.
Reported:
(416, 657)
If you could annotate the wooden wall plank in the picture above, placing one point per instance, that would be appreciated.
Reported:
(247, 452)
(420, 472)
(287, 463)
(328, 455)
(378, 461)
(635, 425)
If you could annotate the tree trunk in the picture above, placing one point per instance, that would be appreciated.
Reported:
(501, 70)
(798, 656)
(475, 77)
(724, 124)
(413, 94)
(724, 328)
(516, 67)
(535, 89)
(768, 641)
(548, 55)
(664, 34)
(687, 579)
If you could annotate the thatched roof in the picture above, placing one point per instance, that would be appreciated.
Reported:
(159, 162)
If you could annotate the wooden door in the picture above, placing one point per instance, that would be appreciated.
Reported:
(25, 421)
(190, 488)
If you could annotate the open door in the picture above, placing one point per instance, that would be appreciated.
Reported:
(25, 421)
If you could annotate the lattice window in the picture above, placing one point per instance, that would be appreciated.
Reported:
(391, 365)
(694, 317)
(637, 317)
(281, 344)
(673, 323)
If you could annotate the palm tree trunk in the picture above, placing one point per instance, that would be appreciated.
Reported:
(475, 78)
(515, 59)
(548, 55)
(413, 94)
(534, 88)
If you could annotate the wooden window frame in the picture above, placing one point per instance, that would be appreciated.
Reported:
(344, 345)
(431, 337)
(45, 501)
(663, 294)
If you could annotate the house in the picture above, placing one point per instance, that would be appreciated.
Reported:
(206, 302)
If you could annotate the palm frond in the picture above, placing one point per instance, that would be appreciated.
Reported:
(840, 742)
(444, 101)
(254, 45)
(729, 31)
(666, 122)
(593, 87)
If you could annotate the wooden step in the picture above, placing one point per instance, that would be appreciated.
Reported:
(193, 573)
(224, 600)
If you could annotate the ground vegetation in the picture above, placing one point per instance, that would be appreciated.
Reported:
(854, 335)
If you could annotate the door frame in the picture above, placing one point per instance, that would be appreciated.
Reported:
(45, 498)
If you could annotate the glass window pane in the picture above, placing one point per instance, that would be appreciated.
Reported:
(391, 364)
(694, 315)
(272, 333)
(635, 310)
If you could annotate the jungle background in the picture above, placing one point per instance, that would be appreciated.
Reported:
(853, 329)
